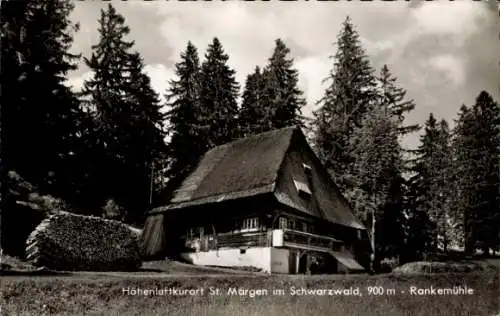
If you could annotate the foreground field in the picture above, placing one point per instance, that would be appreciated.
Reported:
(104, 294)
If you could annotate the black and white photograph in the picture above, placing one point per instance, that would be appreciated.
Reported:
(250, 158)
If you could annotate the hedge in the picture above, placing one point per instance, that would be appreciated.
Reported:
(70, 242)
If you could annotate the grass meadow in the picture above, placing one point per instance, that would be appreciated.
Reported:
(102, 294)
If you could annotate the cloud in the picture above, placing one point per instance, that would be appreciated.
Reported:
(76, 82)
(312, 72)
(158, 73)
(457, 20)
(442, 53)
(160, 76)
(450, 66)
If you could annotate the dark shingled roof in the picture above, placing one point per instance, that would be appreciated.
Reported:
(242, 168)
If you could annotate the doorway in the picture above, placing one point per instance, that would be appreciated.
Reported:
(303, 260)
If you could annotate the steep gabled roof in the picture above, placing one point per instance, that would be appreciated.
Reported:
(239, 169)
(242, 168)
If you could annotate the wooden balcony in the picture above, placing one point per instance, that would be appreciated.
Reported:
(231, 240)
(275, 238)
(244, 239)
(299, 239)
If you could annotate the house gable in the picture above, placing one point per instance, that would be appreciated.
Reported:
(301, 172)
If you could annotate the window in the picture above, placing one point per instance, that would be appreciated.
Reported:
(302, 188)
(250, 223)
(283, 223)
(304, 227)
(307, 169)
(286, 223)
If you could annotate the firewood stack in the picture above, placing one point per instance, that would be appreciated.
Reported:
(69, 242)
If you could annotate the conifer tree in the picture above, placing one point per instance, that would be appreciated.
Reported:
(218, 97)
(283, 98)
(127, 119)
(271, 98)
(351, 94)
(443, 216)
(463, 144)
(489, 184)
(476, 141)
(395, 97)
(253, 116)
(377, 166)
(187, 142)
(431, 185)
(39, 112)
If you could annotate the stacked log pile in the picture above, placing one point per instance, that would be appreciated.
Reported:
(69, 242)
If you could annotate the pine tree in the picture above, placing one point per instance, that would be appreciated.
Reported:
(146, 148)
(219, 93)
(489, 188)
(463, 167)
(431, 185)
(443, 215)
(378, 163)
(477, 158)
(351, 94)
(128, 135)
(39, 112)
(254, 113)
(187, 142)
(282, 96)
(395, 97)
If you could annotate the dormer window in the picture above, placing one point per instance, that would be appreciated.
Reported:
(302, 188)
(307, 169)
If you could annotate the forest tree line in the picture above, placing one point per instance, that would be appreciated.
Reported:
(107, 149)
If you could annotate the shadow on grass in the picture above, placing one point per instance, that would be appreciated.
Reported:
(150, 270)
(33, 273)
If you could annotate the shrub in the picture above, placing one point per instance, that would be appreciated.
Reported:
(441, 267)
(23, 208)
(68, 242)
(113, 210)
(387, 265)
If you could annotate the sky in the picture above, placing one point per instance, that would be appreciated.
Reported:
(443, 53)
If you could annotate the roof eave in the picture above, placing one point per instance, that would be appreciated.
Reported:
(287, 202)
(268, 188)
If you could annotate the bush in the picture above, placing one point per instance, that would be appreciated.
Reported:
(72, 242)
(387, 265)
(23, 208)
(113, 210)
(441, 267)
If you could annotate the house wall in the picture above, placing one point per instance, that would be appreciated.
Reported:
(257, 257)
(268, 259)
(280, 260)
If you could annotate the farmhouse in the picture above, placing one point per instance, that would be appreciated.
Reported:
(264, 201)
